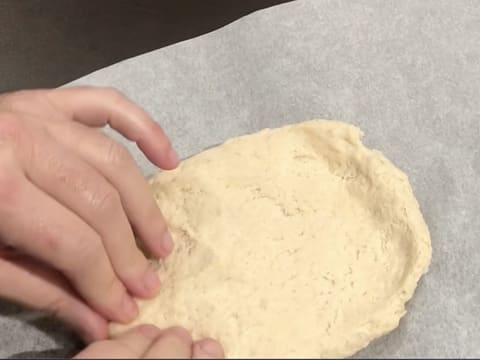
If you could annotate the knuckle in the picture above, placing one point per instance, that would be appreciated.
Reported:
(11, 128)
(48, 240)
(48, 235)
(18, 100)
(9, 179)
(113, 93)
(6, 100)
(116, 155)
(112, 285)
(55, 306)
(87, 254)
(7, 156)
(4, 271)
(18, 133)
(107, 201)
(136, 260)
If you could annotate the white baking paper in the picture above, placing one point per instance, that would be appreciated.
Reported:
(407, 72)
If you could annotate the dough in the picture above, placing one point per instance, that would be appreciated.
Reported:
(291, 242)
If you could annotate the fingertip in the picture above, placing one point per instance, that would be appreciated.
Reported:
(207, 349)
(131, 343)
(159, 246)
(122, 310)
(148, 330)
(151, 282)
(173, 343)
(143, 281)
(99, 106)
(172, 158)
(180, 333)
(167, 243)
(138, 275)
(129, 308)
(93, 328)
(160, 153)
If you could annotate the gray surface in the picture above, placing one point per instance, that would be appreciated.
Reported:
(408, 73)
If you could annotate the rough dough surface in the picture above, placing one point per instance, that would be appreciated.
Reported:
(291, 242)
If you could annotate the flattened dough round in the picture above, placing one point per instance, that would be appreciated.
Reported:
(291, 242)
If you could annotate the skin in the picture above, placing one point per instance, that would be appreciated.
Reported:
(72, 202)
(149, 342)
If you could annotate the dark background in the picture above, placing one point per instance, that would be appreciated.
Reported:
(45, 43)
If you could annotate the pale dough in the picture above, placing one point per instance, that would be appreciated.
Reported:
(291, 242)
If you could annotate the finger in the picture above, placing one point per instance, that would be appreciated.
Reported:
(31, 284)
(75, 184)
(207, 349)
(41, 227)
(131, 344)
(101, 106)
(114, 162)
(174, 343)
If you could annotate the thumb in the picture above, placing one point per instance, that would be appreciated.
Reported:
(131, 344)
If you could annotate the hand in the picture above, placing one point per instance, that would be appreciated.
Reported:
(69, 197)
(149, 342)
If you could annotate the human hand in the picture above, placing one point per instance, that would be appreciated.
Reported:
(149, 342)
(69, 197)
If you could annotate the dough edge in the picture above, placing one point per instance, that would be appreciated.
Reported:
(385, 319)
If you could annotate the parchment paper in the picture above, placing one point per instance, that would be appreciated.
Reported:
(406, 72)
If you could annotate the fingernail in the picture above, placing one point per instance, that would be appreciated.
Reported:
(151, 281)
(150, 331)
(210, 349)
(92, 328)
(129, 307)
(172, 156)
(167, 242)
(181, 334)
